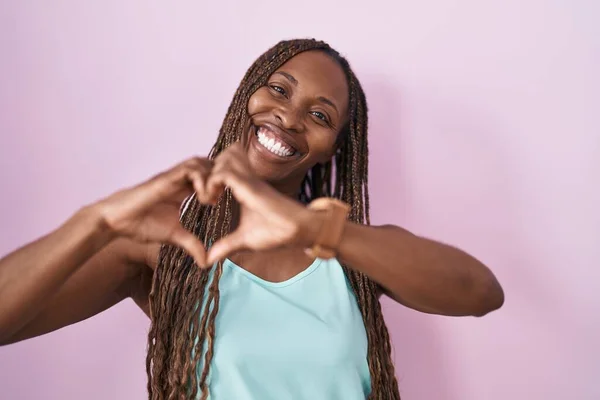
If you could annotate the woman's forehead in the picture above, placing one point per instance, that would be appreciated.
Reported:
(319, 74)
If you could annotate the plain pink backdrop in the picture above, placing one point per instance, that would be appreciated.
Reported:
(485, 134)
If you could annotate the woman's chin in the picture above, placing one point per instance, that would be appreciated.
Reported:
(265, 170)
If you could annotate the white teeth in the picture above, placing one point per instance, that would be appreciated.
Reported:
(272, 145)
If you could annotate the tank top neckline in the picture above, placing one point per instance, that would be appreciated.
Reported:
(301, 275)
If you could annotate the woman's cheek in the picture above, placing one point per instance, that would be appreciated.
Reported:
(323, 146)
(258, 102)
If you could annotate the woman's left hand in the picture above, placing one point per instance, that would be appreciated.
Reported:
(268, 219)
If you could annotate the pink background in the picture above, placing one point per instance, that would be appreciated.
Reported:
(485, 134)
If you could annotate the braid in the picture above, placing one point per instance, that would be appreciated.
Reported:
(182, 330)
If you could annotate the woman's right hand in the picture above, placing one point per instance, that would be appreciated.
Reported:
(150, 211)
(91, 261)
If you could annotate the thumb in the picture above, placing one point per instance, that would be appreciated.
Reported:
(224, 247)
(190, 243)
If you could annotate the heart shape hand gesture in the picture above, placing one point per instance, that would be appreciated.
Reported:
(149, 212)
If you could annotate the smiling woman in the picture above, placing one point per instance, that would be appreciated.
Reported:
(304, 96)
(240, 307)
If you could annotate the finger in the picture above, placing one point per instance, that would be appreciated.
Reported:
(182, 197)
(214, 190)
(224, 161)
(234, 157)
(225, 247)
(176, 182)
(190, 243)
(236, 147)
(198, 179)
(226, 178)
(218, 180)
(195, 172)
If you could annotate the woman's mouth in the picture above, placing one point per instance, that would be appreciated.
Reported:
(273, 143)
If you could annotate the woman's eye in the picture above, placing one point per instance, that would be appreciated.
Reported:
(320, 115)
(278, 89)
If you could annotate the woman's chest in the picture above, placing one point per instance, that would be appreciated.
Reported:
(312, 319)
(274, 266)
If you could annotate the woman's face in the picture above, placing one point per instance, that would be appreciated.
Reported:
(296, 118)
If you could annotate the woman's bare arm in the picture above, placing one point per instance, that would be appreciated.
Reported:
(98, 257)
(65, 277)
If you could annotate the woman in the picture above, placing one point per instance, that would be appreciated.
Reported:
(257, 315)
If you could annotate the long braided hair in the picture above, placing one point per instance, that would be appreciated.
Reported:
(183, 314)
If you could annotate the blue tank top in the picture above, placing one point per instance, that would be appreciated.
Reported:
(301, 339)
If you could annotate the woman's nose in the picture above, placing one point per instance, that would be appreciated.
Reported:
(290, 118)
